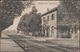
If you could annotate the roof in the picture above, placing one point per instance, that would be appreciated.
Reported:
(50, 11)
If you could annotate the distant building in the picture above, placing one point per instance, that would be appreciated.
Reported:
(49, 23)
(9, 31)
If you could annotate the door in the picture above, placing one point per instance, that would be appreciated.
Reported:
(47, 32)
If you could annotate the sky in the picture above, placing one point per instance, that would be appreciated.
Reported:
(41, 7)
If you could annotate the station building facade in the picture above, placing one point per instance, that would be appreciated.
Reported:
(52, 28)
(49, 23)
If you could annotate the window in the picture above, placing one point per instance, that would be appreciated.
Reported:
(47, 18)
(52, 29)
(43, 19)
(52, 16)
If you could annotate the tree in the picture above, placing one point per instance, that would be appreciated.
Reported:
(35, 23)
(68, 14)
(30, 22)
(22, 24)
(69, 11)
(8, 11)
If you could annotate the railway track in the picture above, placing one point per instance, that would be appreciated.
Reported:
(58, 46)
(33, 46)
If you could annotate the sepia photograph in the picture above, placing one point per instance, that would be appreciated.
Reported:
(39, 25)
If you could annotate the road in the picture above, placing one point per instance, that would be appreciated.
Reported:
(30, 45)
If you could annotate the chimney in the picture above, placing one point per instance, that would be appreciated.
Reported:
(47, 9)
